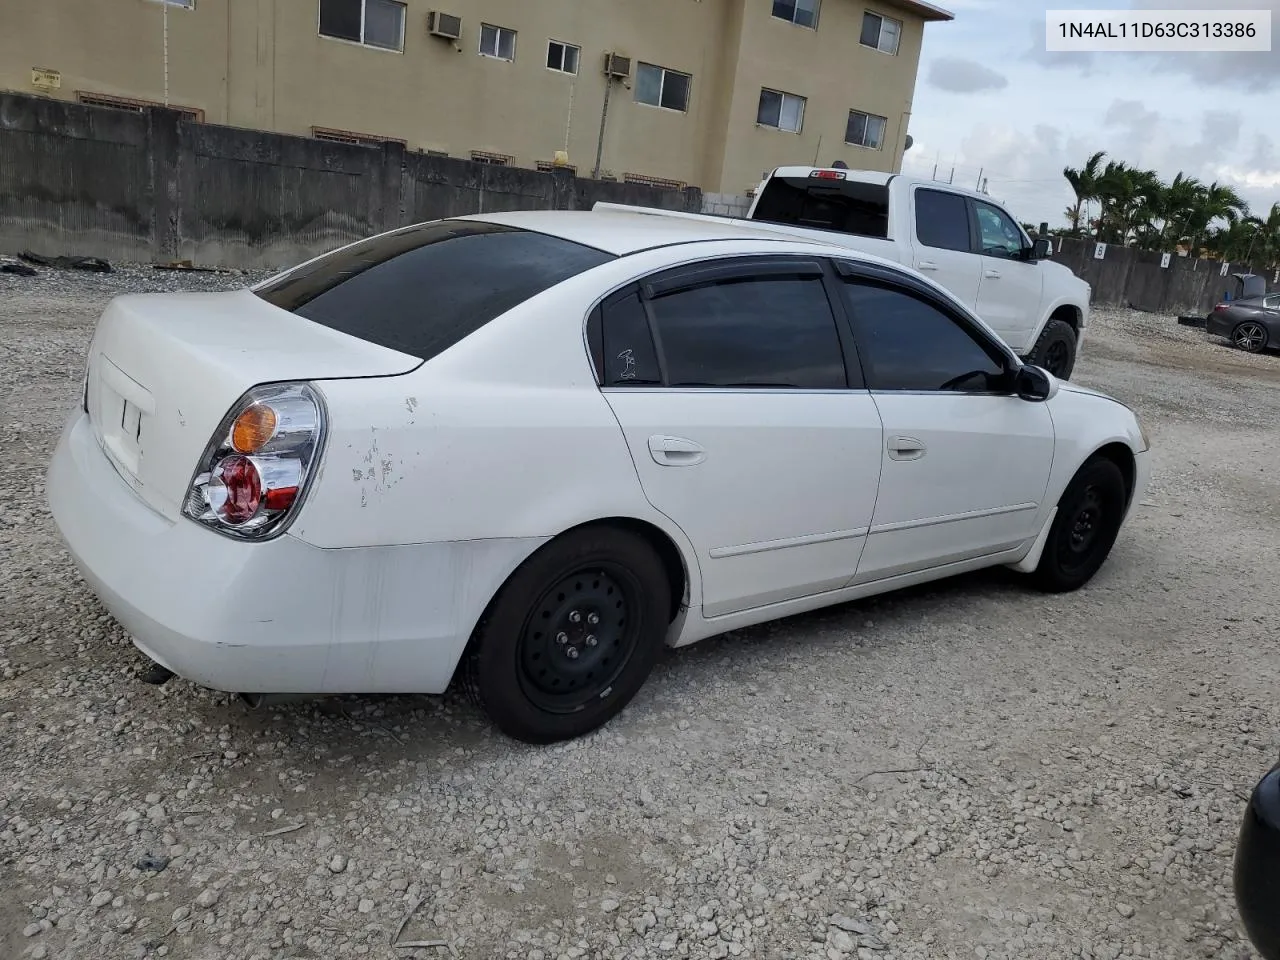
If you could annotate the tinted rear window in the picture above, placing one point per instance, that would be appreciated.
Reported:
(423, 289)
(844, 205)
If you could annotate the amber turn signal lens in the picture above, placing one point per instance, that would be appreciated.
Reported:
(253, 428)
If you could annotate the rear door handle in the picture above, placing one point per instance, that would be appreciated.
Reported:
(675, 451)
(906, 448)
(928, 265)
(992, 274)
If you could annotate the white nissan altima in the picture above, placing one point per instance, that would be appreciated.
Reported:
(530, 449)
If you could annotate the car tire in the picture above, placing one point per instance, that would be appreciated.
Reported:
(572, 635)
(1249, 336)
(1056, 347)
(1089, 517)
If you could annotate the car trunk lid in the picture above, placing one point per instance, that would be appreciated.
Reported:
(164, 369)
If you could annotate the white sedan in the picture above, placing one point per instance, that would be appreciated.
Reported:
(532, 448)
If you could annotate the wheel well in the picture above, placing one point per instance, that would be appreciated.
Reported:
(1069, 315)
(1122, 457)
(668, 553)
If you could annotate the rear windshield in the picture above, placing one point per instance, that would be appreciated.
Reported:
(844, 205)
(423, 289)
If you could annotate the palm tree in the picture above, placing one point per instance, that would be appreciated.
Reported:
(1180, 198)
(1214, 202)
(1084, 182)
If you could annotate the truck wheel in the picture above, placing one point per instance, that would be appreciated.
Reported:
(1055, 351)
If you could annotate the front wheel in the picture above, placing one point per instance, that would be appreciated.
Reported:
(1089, 516)
(572, 635)
(1055, 350)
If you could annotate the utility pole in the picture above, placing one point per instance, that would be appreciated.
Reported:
(978, 185)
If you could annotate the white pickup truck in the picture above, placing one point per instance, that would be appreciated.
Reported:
(962, 240)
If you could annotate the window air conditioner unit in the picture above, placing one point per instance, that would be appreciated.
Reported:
(616, 66)
(444, 25)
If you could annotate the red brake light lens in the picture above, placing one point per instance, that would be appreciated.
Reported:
(235, 489)
(255, 468)
(828, 174)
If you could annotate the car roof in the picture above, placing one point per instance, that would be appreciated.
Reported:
(622, 233)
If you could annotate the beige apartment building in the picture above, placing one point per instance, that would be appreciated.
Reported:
(711, 93)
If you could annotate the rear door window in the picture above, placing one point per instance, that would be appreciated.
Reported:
(849, 206)
(942, 220)
(751, 331)
(423, 289)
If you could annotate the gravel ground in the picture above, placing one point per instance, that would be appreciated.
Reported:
(967, 770)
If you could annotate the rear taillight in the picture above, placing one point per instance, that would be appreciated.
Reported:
(252, 475)
(1222, 308)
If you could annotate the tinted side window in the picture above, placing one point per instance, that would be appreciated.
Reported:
(764, 332)
(845, 205)
(1000, 235)
(942, 220)
(423, 289)
(908, 344)
(629, 357)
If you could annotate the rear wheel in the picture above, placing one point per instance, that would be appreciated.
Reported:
(1250, 336)
(1085, 529)
(572, 635)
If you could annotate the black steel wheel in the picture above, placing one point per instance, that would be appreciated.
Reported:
(1250, 336)
(572, 635)
(1088, 521)
(577, 638)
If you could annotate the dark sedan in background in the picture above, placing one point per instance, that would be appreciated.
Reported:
(1252, 324)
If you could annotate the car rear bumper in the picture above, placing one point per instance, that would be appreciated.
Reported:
(279, 616)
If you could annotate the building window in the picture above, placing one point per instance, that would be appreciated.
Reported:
(881, 32)
(349, 136)
(865, 130)
(492, 159)
(375, 23)
(803, 13)
(562, 57)
(782, 111)
(660, 87)
(497, 42)
(194, 114)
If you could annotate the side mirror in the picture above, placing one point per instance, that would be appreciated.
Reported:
(1042, 249)
(1256, 874)
(1034, 384)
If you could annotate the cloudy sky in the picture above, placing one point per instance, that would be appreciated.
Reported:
(990, 97)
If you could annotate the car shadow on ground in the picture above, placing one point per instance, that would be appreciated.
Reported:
(419, 726)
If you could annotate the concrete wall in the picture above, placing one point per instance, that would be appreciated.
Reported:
(150, 186)
(1126, 277)
(725, 204)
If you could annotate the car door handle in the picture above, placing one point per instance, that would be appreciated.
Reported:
(992, 274)
(906, 448)
(928, 265)
(675, 451)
